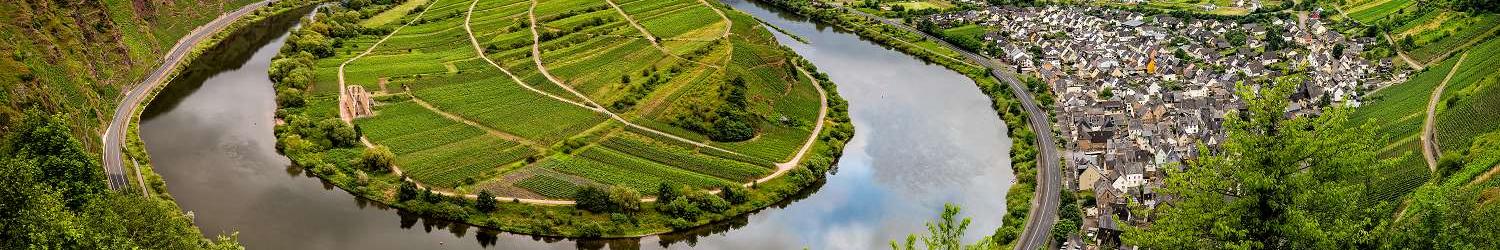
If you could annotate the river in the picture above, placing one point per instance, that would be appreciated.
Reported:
(926, 136)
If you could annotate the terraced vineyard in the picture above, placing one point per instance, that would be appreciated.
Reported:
(1397, 113)
(1470, 100)
(1426, 30)
(540, 98)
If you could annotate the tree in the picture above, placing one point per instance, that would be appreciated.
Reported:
(945, 233)
(378, 159)
(666, 192)
(55, 198)
(1277, 183)
(592, 199)
(407, 191)
(735, 194)
(624, 199)
(486, 202)
(290, 98)
(343, 135)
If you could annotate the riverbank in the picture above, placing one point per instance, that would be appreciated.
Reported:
(1023, 149)
(310, 147)
(135, 148)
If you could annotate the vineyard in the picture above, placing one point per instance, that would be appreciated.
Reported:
(1471, 98)
(549, 186)
(1397, 113)
(1427, 31)
(465, 104)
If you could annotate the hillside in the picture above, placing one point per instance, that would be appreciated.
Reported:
(75, 57)
(1450, 46)
(67, 63)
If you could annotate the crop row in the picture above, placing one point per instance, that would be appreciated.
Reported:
(684, 158)
(508, 107)
(603, 173)
(549, 186)
(677, 23)
(1374, 13)
(1400, 180)
(644, 166)
(452, 164)
(775, 143)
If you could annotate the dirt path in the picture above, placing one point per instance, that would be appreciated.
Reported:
(486, 129)
(1430, 150)
(468, 17)
(650, 38)
(728, 24)
(782, 168)
(1485, 177)
(536, 57)
(1399, 52)
(344, 91)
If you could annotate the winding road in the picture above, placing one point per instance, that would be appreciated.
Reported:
(1046, 201)
(114, 135)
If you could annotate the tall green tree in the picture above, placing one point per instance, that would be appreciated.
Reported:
(1277, 183)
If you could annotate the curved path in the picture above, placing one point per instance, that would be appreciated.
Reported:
(114, 135)
(1430, 149)
(1045, 202)
(536, 57)
(649, 37)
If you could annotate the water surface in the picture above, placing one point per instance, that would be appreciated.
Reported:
(926, 136)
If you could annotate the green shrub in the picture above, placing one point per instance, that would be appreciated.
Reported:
(377, 159)
(486, 202)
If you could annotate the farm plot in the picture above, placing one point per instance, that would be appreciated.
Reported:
(462, 162)
(1471, 98)
(603, 173)
(438, 151)
(549, 186)
(684, 158)
(644, 166)
(393, 14)
(1451, 35)
(406, 127)
(1372, 12)
(693, 22)
(507, 107)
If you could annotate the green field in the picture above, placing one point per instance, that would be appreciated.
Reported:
(456, 122)
(1376, 10)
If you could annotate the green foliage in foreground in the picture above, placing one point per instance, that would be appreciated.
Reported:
(1457, 212)
(946, 233)
(54, 198)
(1278, 183)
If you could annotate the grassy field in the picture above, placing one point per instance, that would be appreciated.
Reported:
(459, 123)
(1375, 10)
(391, 15)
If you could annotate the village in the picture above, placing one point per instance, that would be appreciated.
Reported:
(1136, 93)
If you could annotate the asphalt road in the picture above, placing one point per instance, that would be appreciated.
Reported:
(1044, 204)
(114, 135)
